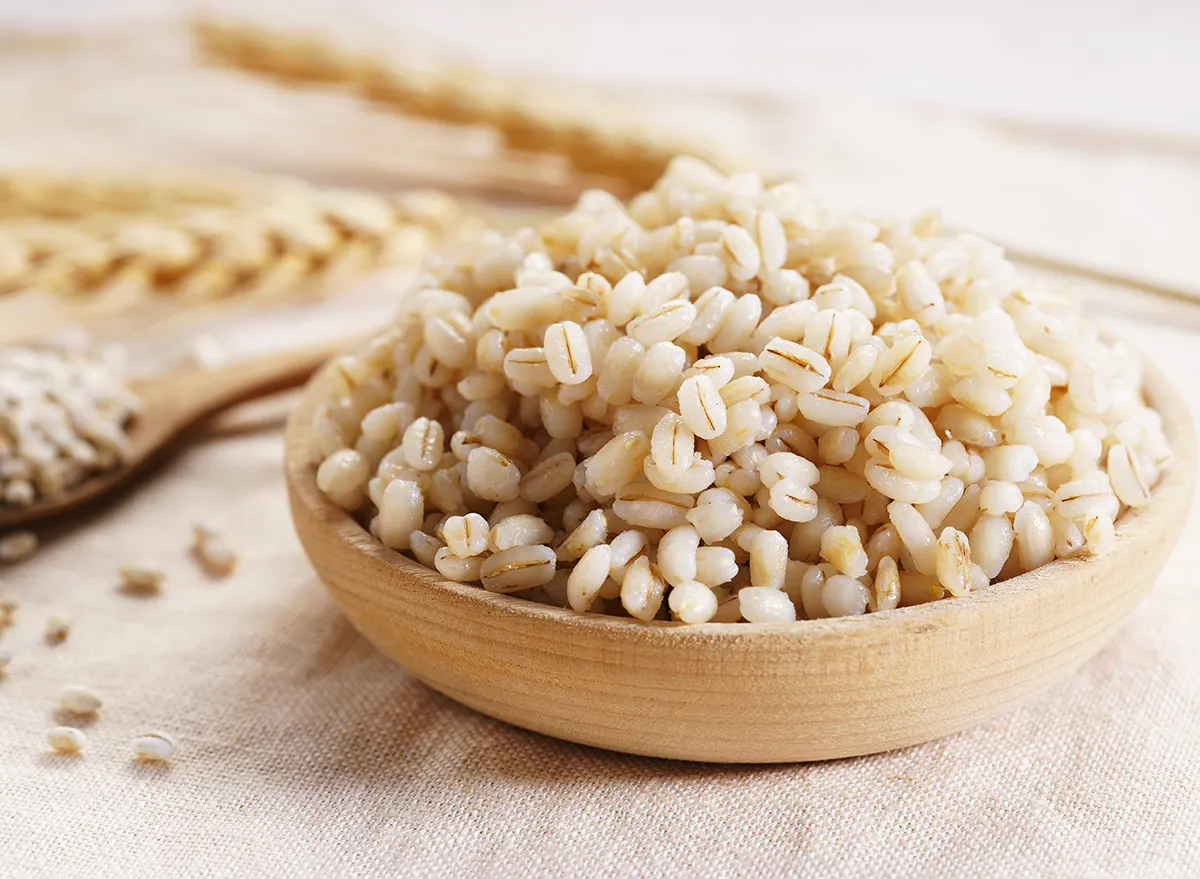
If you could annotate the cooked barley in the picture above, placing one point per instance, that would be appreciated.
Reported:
(844, 596)
(716, 515)
(692, 602)
(642, 590)
(677, 554)
(625, 547)
(702, 408)
(425, 548)
(617, 464)
(800, 368)
(885, 589)
(812, 584)
(953, 562)
(764, 604)
(916, 535)
(343, 478)
(737, 325)
(793, 500)
(842, 547)
(518, 569)
(401, 514)
(719, 370)
(522, 529)
(1000, 498)
(1010, 463)
(1098, 532)
(715, 565)
(1068, 536)
(644, 505)
(492, 476)
(748, 387)
(1035, 537)
(505, 438)
(462, 569)
(1125, 473)
(592, 531)
(673, 445)
(660, 373)
(1089, 495)
(768, 559)
(721, 404)
(467, 535)
(991, 543)
(567, 353)
(935, 511)
(838, 446)
(588, 576)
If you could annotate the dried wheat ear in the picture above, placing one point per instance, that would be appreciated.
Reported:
(594, 139)
(80, 233)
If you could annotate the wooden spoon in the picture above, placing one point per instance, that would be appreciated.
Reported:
(745, 693)
(173, 403)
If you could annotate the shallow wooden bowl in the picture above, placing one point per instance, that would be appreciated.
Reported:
(745, 693)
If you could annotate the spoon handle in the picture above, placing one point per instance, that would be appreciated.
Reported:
(181, 398)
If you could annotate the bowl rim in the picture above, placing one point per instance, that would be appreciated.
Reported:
(1133, 530)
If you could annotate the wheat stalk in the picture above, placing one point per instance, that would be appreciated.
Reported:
(52, 195)
(593, 141)
(273, 240)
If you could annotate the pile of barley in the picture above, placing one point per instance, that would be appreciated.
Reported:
(721, 402)
(64, 411)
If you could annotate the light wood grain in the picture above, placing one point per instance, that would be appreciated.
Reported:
(811, 690)
(174, 403)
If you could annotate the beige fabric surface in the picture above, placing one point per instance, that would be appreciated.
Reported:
(304, 753)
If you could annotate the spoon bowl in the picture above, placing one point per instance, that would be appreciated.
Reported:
(172, 404)
(744, 692)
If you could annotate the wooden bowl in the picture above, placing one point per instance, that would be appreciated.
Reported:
(742, 693)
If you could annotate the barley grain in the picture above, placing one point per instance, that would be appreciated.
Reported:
(588, 576)
(953, 562)
(518, 569)
(567, 353)
(763, 604)
(79, 700)
(58, 627)
(642, 590)
(885, 589)
(66, 740)
(155, 747)
(701, 407)
(140, 578)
